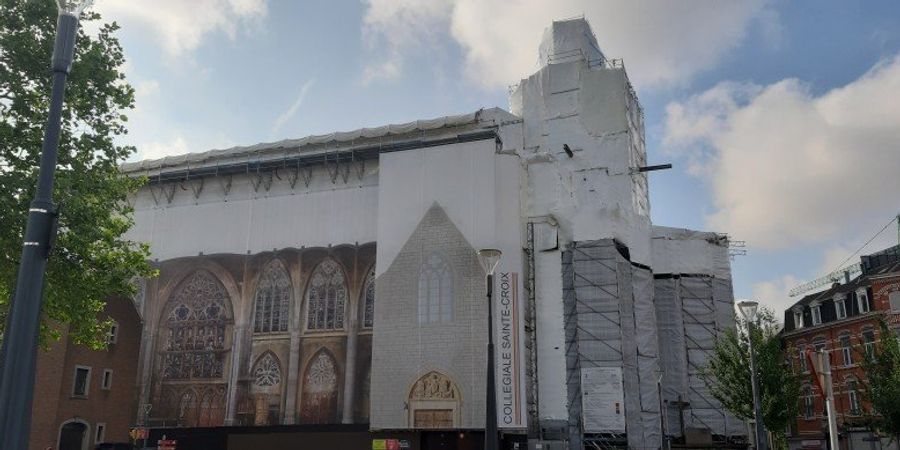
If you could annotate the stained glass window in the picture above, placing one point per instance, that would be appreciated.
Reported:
(273, 299)
(326, 297)
(267, 372)
(319, 402)
(195, 321)
(369, 306)
(435, 290)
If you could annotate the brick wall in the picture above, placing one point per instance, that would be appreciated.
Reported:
(54, 404)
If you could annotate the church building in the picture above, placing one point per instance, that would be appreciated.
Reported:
(333, 279)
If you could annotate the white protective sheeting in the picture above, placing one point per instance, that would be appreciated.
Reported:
(679, 250)
(569, 39)
(551, 361)
(388, 133)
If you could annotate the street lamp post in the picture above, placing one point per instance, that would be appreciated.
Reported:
(748, 310)
(19, 351)
(489, 258)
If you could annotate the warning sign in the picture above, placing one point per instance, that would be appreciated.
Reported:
(603, 400)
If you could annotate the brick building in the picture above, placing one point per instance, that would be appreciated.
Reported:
(844, 320)
(85, 397)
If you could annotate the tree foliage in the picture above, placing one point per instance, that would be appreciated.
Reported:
(882, 382)
(91, 260)
(727, 373)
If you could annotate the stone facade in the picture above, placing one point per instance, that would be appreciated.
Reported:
(409, 346)
(287, 330)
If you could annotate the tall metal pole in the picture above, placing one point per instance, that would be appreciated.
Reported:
(829, 400)
(19, 351)
(490, 426)
(761, 442)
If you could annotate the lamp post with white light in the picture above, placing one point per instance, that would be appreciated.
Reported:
(489, 258)
(748, 310)
(19, 352)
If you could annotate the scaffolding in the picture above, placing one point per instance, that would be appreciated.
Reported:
(609, 322)
(693, 311)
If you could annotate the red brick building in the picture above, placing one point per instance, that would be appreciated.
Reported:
(85, 397)
(843, 320)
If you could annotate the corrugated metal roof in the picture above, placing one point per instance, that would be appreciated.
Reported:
(487, 117)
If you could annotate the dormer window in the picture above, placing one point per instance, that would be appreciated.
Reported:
(862, 300)
(816, 312)
(798, 318)
(840, 307)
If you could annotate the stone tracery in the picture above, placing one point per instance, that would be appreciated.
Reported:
(272, 300)
(326, 297)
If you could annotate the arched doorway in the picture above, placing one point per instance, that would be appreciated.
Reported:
(73, 436)
(434, 402)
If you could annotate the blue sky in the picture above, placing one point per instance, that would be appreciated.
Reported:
(782, 118)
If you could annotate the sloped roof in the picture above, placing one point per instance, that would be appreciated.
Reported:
(483, 118)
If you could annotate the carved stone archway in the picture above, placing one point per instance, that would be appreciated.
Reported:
(434, 402)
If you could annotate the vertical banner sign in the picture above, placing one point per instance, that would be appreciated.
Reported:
(509, 350)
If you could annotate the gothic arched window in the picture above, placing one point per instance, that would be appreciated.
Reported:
(326, 297)
(320, 384)
(195, 320)
(273, 299)
(267, 372)
(369, 300)
(435, 290)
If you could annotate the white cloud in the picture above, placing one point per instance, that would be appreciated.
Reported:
(289, 113)
(662, 42)
(391, 27)
(157, 149)
(787, 167)
(180, 26)
(773, 294)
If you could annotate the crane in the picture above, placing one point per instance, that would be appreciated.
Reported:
(844, 273)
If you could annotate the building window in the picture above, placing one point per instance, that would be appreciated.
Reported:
(326, 297)
(106, 382)
(840, 307)
(100, 435)
(846, 349)
(894, 299)
(819, 344)
(196, 318)
(801, 350)
(113, 334)
(267, 372)
(809, 410)
(273, 300)
(862, 299)
(869, 343)
(853, 396)
(435, 290)
(369, 301)
(798, 319)
(81, 382)
(816, 312)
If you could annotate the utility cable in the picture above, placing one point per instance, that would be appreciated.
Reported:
(867, 243)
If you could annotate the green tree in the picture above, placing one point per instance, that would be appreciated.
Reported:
(727, 374)
(882, 382)
(91, 260)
